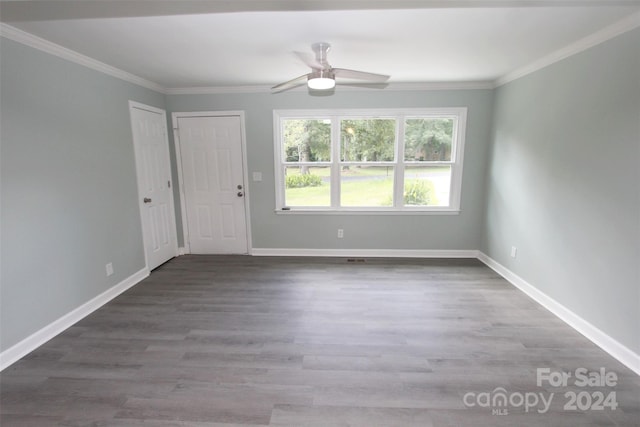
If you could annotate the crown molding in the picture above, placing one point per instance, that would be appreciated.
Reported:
(41, 44)
(427, 86)
(217, 90)
(466, 85)
(629, 23)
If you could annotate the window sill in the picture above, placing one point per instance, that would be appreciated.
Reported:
(365, 212)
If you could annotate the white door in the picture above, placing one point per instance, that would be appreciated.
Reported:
(213, 184)
(151, 145)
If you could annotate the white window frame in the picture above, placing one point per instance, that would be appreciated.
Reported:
(457, 156)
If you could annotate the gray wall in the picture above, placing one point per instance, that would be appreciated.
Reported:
(270, 230)
(564, 184)
(69, 195)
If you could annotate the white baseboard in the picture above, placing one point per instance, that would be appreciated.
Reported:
(372, 253)
(617, 350)
(181, 251)
(35, 340)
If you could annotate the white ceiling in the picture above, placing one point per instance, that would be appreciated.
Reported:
(187, 44)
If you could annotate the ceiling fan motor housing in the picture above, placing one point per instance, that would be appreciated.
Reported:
(322, 49)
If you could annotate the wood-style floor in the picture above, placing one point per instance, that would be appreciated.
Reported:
(248, 341)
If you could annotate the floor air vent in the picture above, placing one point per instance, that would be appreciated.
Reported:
(354, 260)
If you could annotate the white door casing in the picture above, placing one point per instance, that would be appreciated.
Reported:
(153, 170)
(212, 182)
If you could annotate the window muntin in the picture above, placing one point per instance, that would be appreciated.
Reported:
(369, 160)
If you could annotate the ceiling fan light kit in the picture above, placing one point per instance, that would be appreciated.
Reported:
(321, 83)
(321, 80)
(323, 75)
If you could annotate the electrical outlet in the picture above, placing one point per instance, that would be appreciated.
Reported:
(514, 251)
(340, 233)
(109, 268)
(257, 176)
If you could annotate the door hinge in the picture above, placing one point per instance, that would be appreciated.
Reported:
(168, 184)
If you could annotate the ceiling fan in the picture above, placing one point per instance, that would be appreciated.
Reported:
(323, 75)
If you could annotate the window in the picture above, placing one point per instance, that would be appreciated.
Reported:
(369, 160)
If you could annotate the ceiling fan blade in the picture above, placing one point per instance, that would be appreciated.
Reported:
(360, 75)
(309, 60)
(291, 83)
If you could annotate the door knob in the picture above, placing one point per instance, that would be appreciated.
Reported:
(146, 200)
(240, 194)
